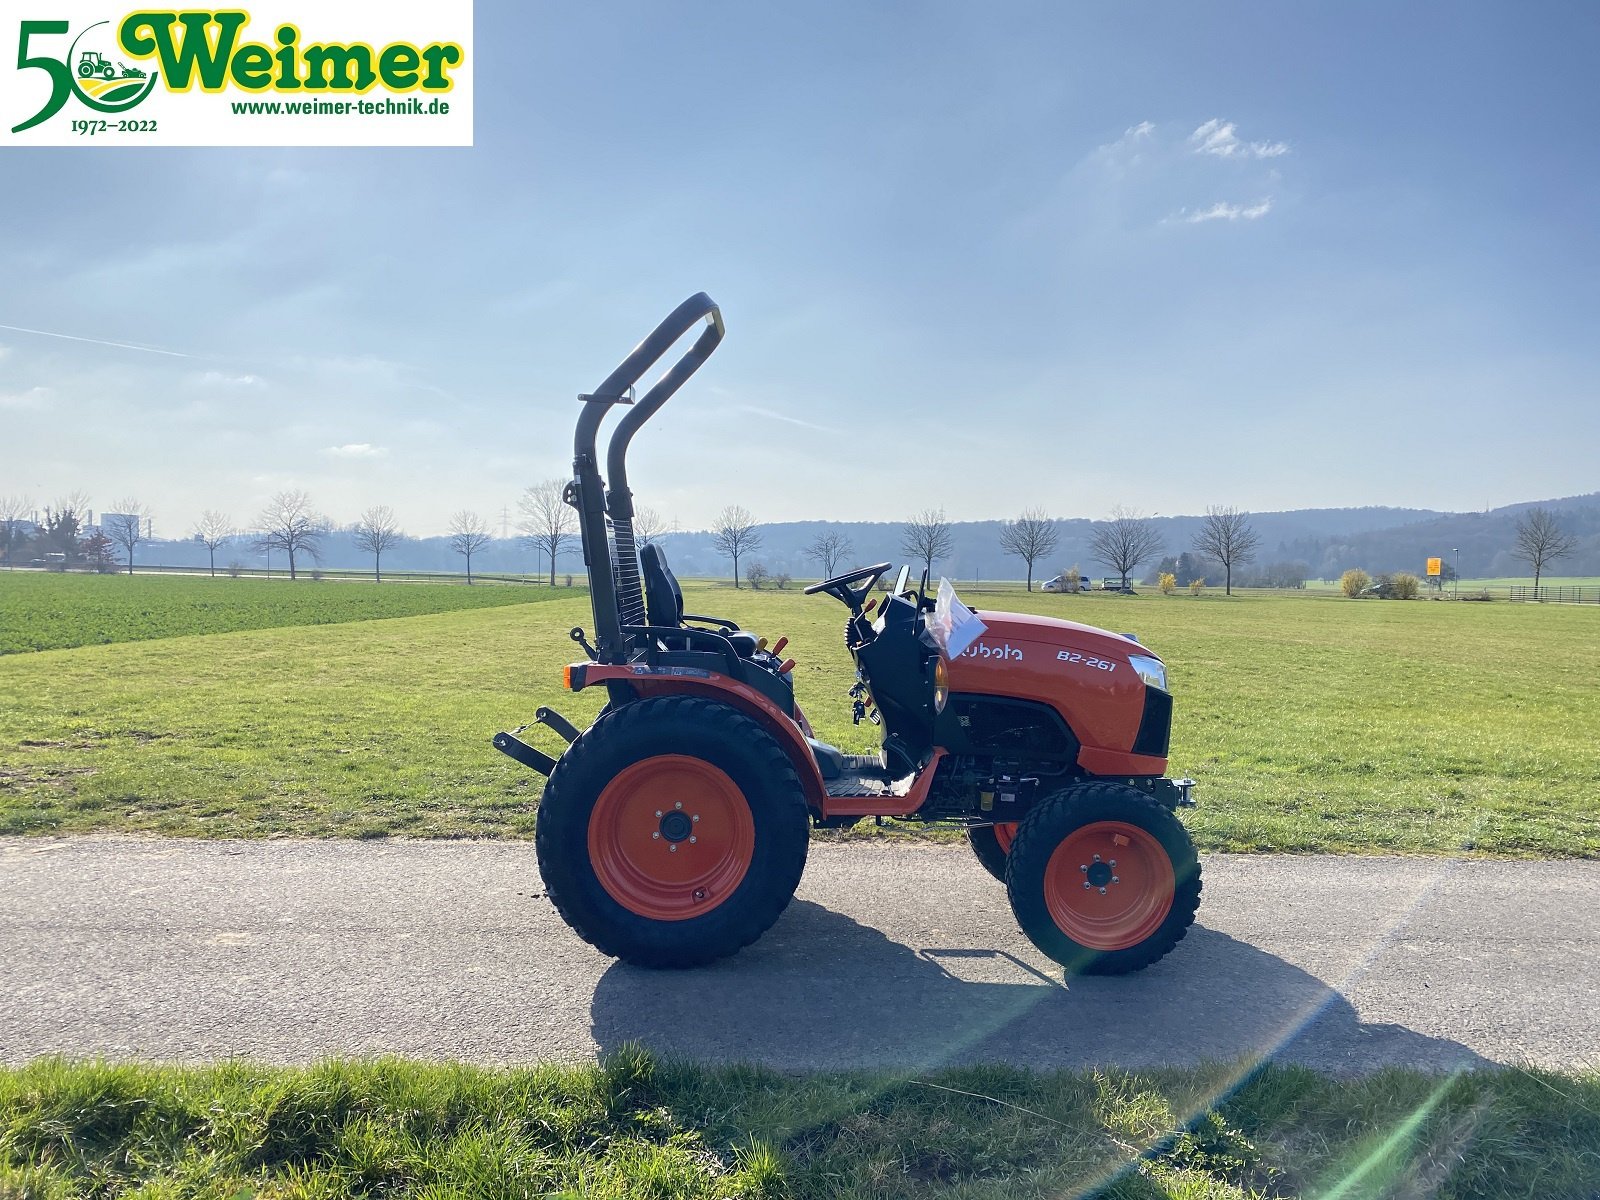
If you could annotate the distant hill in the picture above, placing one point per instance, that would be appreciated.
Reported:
(1327, 540)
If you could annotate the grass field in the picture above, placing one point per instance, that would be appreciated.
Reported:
(633, 1127)
(41, 611)
(1312, 723)
(1506, 581)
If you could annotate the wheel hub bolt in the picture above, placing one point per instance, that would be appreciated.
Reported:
(673, 847)
(692, 838)
(676, 826)
(1102, 890)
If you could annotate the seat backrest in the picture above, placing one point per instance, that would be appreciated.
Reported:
(663, 598)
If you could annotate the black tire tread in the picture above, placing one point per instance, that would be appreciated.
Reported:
(988, 851)
(1040, 833)
(558, 811)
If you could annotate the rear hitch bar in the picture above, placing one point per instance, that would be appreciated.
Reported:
(511, 745)
(551, 719)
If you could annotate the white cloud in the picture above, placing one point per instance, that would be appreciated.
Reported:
(1226, 212)
(769, 415)
(1218, 137)
(356, 450)
(221, 379)
(34, 397)
(1142, 130)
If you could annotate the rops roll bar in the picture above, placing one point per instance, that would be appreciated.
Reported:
(593, 502)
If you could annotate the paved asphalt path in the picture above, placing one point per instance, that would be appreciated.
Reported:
(891, 955)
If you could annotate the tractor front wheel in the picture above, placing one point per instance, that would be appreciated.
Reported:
(992, 844)
(1103, 878)
(672, 833)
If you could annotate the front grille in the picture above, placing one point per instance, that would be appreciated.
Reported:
(1155, 728)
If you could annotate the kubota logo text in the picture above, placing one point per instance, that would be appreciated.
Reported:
(984, 650)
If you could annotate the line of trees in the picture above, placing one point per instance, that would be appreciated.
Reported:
(547, 525)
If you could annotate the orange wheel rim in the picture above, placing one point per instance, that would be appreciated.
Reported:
(671, 837)
(1003, 833)
(1109, 885)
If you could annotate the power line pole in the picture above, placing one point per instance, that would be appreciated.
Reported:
(505, 521)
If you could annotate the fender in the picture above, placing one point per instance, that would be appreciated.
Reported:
(673, 681)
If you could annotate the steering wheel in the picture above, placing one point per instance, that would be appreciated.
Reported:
(839, 586)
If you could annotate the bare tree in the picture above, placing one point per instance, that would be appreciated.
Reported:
(469, 533)
(73, 504)
(1125, 541)
(13, 511)
(290, 524)
(125, 527)
(1030, 537)
(548, 521)
(828, 549)
(928, 537)
(212, 531)
(648, 524)
(1227, 537)
(1541, 540)
(377, 530)
(735, 533)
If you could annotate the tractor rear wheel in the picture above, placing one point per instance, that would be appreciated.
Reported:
(992, 845)
(1103, 878)
(672, 833)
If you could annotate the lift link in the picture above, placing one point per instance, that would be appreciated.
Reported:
(512, 746)
(554, 720)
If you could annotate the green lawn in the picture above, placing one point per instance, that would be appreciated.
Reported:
(1312, 723)
(1527, 581)
(633, 1127)
(40, 611)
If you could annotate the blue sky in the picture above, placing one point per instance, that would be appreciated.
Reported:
(978, 256)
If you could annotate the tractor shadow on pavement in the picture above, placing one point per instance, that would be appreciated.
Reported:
(822, 991)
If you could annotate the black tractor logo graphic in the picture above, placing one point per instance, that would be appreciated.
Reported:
(93, 63)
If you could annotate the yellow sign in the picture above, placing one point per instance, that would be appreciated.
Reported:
(1433, 568)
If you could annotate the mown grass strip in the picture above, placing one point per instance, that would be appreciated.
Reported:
(1313, 724)
(636, 1127)
(40, 611)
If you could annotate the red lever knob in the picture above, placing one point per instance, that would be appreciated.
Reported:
(778, 646)
(788, 665)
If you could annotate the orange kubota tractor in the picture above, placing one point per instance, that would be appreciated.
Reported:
(673, 831)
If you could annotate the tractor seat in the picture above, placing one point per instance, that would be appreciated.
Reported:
(663, 598)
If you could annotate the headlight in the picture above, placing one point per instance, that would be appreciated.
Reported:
(1152, 670)
(941, 684)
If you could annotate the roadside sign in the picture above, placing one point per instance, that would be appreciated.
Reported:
(1434, 565)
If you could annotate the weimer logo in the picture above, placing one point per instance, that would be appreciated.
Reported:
(232, 77)
(90, 72)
